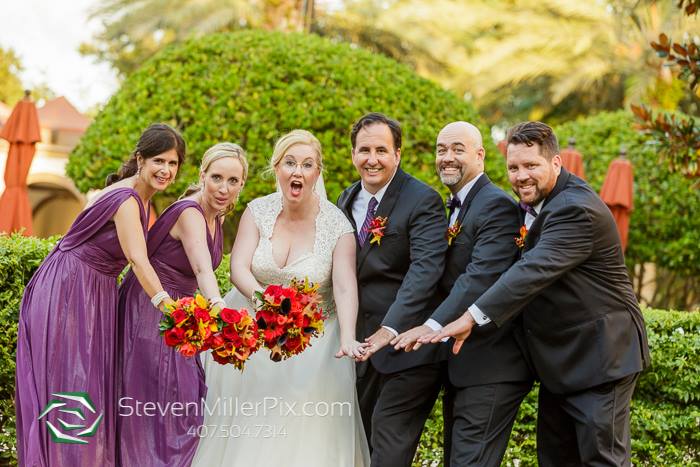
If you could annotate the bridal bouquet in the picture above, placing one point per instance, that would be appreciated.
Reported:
(235, 338)
(188, 324)
(288, 317)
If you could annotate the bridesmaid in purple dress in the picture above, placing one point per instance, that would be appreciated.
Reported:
(66, 345)
(185, 246)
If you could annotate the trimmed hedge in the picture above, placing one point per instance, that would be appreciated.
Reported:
(19, 257)
(250, 87)
(665, 409)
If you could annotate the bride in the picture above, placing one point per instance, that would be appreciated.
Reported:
(302, 411)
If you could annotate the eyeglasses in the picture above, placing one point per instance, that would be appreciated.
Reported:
(290, 166)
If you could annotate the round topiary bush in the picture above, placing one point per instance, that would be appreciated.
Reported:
(251, 87)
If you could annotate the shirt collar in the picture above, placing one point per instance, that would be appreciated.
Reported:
(462, 194)
(380, 193)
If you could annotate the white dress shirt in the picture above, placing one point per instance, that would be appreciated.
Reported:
(462, 195)
(359, 206)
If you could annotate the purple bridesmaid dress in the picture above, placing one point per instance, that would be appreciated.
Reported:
(152, 372)
(65, 394)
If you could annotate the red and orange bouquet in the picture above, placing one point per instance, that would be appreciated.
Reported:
(187, 324)
(288, 317)
(235, 339)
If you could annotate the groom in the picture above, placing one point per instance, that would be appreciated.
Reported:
(400, 226)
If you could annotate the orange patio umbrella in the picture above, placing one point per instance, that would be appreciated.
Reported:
(502, 146)
(617, 194)
(22, 132)
(572, 160)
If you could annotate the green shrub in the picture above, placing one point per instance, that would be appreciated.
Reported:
(19, 257)
(251, 87)
(665, 223)
(665, 419)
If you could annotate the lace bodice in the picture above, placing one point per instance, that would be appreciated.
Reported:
(317, 265)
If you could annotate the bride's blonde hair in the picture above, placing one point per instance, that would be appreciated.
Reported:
(290, 139)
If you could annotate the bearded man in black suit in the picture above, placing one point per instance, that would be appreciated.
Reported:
(489, 377)
(583, 328)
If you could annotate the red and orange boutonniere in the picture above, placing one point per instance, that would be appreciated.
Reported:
(520, 241)
(452, 232)
(376, 229)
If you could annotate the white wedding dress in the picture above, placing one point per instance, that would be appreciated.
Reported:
(297, 412)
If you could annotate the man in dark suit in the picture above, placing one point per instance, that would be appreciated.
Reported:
(399, 265)
(583, 328)
(490, 376)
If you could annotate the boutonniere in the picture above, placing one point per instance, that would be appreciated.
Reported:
(452, 232)
(376, 229)
(520, 241)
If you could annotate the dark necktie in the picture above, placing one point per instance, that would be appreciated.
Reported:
(453, 203)
(528, 209)
(362, 234)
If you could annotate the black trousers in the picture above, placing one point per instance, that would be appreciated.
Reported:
(483, 419)
(587, 428)
(395, 408)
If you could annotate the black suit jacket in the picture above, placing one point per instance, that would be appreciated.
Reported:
(482, 250)
(397, 279)
(583, 326)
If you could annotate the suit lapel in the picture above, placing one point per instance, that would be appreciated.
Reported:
(480, 183)
(562, 180)
(384, 209)
(346, 204)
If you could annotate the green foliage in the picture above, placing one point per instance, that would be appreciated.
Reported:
(251, 87)
(665, 223)
(10, 84)
(665, 413)
(19, 257)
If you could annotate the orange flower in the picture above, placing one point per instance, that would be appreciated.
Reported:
(376, 229)
(452, 232)
(520, 241)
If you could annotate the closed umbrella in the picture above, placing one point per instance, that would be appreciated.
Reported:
(572, 160)
(22, 132)
(617, 193)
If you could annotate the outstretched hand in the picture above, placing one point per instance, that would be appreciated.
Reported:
(377, 342)
(460, 329)
(409, 340)
(352, 349)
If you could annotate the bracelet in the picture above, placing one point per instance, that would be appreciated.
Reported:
(159, 297)
(217, 300)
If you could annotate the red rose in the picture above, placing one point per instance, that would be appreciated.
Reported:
(178, 316)
(202, 315)
(216, 341)
(188, 350)
(229, 332)
(230, 316)
(174, 336)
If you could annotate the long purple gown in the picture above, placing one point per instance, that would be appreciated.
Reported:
(153, 372)
(66, 342)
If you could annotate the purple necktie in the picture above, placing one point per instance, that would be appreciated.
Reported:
(528, 209)
(364, 231)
